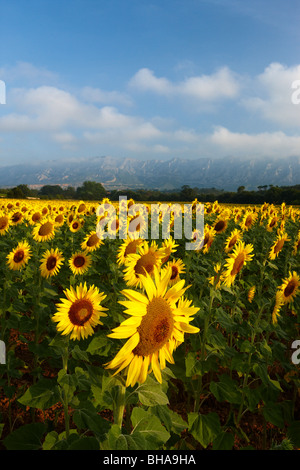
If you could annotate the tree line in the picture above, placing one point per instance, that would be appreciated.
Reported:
(93, 191)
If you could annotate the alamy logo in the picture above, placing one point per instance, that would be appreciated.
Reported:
(186, 221)
(2, 92)
(296, 94)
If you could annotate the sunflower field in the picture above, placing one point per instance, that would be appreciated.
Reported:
(139, 344)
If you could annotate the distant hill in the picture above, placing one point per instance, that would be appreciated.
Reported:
(116, 173)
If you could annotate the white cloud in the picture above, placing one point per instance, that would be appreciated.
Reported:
(23, 72)
(219, 85)
(274, 144)
(96, 95)
(272, 95)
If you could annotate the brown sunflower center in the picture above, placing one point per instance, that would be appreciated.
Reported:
(59, 218)
(174, 272)
(51, 262)
(146, 262)
(19, 256)
(3, 222)
(79, 261)
(81, 207)
(17, 216)
(75, 225)
(36, 216)
(290, 288)
(93, 240)
(156, 327)
(278, 246)
(45, 229)
(220, 226)
(131, 247)
(238, 264)
(248, 221)
(232, 241)
(206, 238)
(80, 312)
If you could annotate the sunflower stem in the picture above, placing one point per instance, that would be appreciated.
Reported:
(65, 358)
(120, 406)
(203, 347)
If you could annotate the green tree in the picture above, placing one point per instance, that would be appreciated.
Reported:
(90, 190)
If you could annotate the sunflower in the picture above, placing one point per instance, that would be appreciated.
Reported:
(80, 262)
(91, 242)
(278, 304)
(80, 312)
(35, 217)
(113, 226)
(278, 245)
(217, 278)
(76, 225)
(248, 220)
(4, 223)
(237, 259)
(220, 225)
(19, 256)
(209, 235)
(168, 247)
(16, 218)
(251, 293)
(59, 220)
(272, 222)
(81, 208)
(296, 246)
(51, 262)
(290, 287)
(177, 267)
(156, 326)
(44, 230)
(128, 247)
(138, 225)
(234, 237)
(144, 261)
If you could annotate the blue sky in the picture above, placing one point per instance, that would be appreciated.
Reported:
(149, 79)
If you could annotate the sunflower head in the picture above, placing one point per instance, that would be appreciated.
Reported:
(137, 265)
(51, 262)
(91, 242)
(44, 230)
(158, 320)
(290, 287)
(80, 312)
(19, 256)
(236, 261)
(4, 223)
(80, 262)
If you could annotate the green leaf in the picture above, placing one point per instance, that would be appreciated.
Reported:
(273, 413)
(68, 382)
(262, 372)
(89, 419)
(85, 443)
(149, 426)
(26, 437)
(293, 433)
(99, 345)
(150, 393)
(43, 394)
(204, 428)
(79, 355)
(226, 390)
(172, 421)
(223, 441)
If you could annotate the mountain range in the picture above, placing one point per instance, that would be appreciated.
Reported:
(118, 173)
